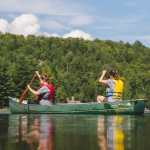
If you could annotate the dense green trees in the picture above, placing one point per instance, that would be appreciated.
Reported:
(74, 65)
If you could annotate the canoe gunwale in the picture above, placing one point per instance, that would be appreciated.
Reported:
(115, 108)
(64, 104)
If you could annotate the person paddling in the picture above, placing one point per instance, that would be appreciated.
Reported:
(45, 93)
(114, 89)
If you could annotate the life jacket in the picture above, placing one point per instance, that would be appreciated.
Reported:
(117, 93)
(51, 93)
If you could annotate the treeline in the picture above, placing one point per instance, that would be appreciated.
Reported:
(74, 65)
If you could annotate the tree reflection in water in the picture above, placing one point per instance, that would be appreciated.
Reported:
(109, 133)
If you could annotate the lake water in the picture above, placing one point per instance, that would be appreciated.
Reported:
(74, 132)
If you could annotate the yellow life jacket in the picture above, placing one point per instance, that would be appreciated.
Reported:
(117, 93)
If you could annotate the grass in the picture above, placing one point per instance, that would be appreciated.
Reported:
(5, 109)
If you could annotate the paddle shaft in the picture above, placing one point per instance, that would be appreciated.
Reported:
(26, 90)
(32, 79)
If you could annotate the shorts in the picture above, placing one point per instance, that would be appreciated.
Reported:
(105, 99)
(45, 102)
(110, 99)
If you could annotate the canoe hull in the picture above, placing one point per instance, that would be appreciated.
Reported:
(116, 108)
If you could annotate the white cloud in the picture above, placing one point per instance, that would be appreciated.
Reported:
(73, 34)
(53, 25)
(3, 25)
(28, 24)
(25, 24)
(70, 11)
(81, 20)
(50, 35)
(55, 16)
(57, 7)
(78, 33)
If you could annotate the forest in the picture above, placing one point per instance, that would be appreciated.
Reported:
(74, 65)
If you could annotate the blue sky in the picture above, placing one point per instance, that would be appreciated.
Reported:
(125, 20)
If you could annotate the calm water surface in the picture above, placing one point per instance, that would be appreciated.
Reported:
(74, 132)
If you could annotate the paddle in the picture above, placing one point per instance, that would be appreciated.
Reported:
(25, 91)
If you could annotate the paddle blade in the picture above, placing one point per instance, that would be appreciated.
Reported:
(22, 97)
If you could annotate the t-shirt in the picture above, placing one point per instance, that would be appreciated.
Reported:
(111, 86)
(44, 93)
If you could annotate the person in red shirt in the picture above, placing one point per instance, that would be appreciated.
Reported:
(45, 93)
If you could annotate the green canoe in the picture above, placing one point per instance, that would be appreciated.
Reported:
(126, 107)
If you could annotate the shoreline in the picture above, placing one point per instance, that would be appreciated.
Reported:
(5, 111)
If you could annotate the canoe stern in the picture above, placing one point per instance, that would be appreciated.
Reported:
(139, 107)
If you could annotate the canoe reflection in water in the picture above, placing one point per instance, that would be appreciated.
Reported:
(41, 132)
(110, 133)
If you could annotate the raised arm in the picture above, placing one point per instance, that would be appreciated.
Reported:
(101, 79)
(37, 72)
